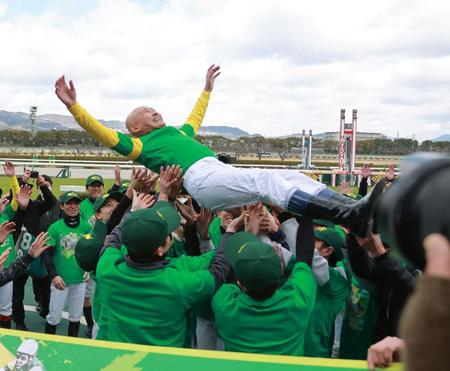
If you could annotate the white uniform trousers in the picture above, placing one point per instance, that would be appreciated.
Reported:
(73, 295)
(6, 292)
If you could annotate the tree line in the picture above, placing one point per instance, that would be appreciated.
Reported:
(283, 147)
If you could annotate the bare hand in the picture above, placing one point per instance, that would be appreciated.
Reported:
(4, 256)
(39, 245)
(390, 173)
(237, 223)
(373, 244)
(204, 219)
(254, 218)
(344, 188)
(23, 197)
(170, 182)
(365, 171)
(86, 276)
(383, 353)
(269, 224)
(59, 283)
(187, 211)
(6, 228)
(9, 169)
(3, 203)
(65, 93)
(142, 201)
(211, 76)
(117, 176)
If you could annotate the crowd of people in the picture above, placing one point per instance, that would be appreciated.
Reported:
(192, 252)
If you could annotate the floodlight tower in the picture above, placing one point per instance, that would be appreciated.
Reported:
(347, 143)
(33, 112)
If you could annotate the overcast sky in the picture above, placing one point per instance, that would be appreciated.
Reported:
(286, 65)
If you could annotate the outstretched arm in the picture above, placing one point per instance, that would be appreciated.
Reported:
(198, 112)
(125, 145)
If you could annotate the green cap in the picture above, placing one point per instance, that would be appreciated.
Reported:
(70, 195)
(147, 229)
(255, 263)
(88, 247)
(100, 201)
(329, 224)
(94, 178)
(332, 238)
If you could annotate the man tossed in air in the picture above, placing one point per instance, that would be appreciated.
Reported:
(213, 184)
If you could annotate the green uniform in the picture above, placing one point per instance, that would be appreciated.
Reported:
(276, 325)
(158, 148)
(63, 239)
(360, 317)
(330, 301)
(158, 302)
(86, 209)
(9, 242)
(214, 232)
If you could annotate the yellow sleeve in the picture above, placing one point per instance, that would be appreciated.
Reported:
(14, 184)
(95, 128)
(198, 112)
(124, 144)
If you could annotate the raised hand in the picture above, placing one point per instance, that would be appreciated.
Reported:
(23, 197)
(366, 171)
(6, 228)
(39, 245)
(187, 211)
(204, 219)
(65, 93)
(170, 182)
(254, 218)
(9, 169)
(142, 201)
(117, 176)
(269, 224)
(4, 256)
(3, 203)
(390, 173)
(211, 74)
(344, 188)
(237, 223)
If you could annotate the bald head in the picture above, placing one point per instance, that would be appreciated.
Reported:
(143, 120)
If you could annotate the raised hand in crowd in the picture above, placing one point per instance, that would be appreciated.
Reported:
(373, 244)
(117, 176)
(39, 245)
(170, 182)
(270, 223)
(390, 173)
(437, 249)
(366, 171)
(23, 197)
(254, 217)
(344, 188)
(204, 219)
(187, 211)
(6, 228)
(237, 223)
(211, 74)
(65, 93)
(9, 169)
(3, 203)
(4, 256)
(383, 353)
(142, 201)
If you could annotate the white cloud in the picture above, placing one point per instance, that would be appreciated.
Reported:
(287, 65)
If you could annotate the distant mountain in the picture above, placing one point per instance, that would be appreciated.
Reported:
(442, 138)
(227, 131)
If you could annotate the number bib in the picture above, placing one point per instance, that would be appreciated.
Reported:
(37, 268)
